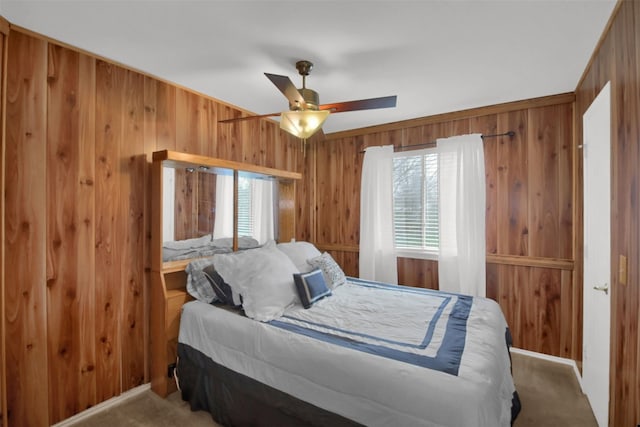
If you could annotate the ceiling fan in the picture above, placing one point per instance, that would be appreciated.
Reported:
(306, 114)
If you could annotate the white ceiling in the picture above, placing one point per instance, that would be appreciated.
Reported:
(437, 56)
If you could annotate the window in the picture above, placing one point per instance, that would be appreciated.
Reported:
(415, 203)
(257, 208)
(245, 217)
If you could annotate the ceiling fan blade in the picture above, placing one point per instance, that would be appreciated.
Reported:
(241, 119)
(287, 88)
(362, 104)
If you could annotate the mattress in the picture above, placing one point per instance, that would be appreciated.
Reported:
(377, 354)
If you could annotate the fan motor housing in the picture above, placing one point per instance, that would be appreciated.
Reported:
(311, 98)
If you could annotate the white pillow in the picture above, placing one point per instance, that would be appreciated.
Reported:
(264, 278)
(299, 253)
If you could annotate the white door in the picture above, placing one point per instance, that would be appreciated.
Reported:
(597, 254)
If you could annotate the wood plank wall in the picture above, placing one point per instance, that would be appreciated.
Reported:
(195, 197)
(617, 59)
(529, 211)
(25, 276)
(4, 32)
(75, 315)
(79, 135)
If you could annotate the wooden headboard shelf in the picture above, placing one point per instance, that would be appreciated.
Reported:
(168, 284)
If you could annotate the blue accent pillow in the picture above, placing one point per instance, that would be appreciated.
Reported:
(311, 287)
(220, 287)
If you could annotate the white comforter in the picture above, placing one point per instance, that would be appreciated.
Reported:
(371, 354)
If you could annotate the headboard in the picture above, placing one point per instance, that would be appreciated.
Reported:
(168, 279)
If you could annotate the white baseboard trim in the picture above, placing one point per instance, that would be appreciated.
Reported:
(103, 406)
(554, 359)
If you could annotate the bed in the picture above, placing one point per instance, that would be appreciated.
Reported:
(353, 352)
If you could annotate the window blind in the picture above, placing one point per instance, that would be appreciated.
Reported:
(245, 221)
(415, 200)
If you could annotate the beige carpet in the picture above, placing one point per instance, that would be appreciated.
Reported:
(549, 392)
(149, 410)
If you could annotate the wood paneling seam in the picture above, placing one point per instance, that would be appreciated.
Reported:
(3, 129)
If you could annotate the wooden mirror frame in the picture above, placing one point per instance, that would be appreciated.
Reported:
(168, 279)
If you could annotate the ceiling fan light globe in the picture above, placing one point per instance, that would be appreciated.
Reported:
(303, 124)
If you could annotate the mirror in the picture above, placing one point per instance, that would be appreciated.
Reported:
(189, 202)
(198, 211)
(204, 205)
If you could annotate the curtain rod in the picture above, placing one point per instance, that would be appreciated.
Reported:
(433, 143)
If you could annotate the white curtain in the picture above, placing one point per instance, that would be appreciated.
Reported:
(223, 223)
(262, 209)
(168, 204)
(377, 249)
(461, 259)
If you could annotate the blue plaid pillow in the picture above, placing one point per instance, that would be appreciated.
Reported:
(311, 287)
(198, 285)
